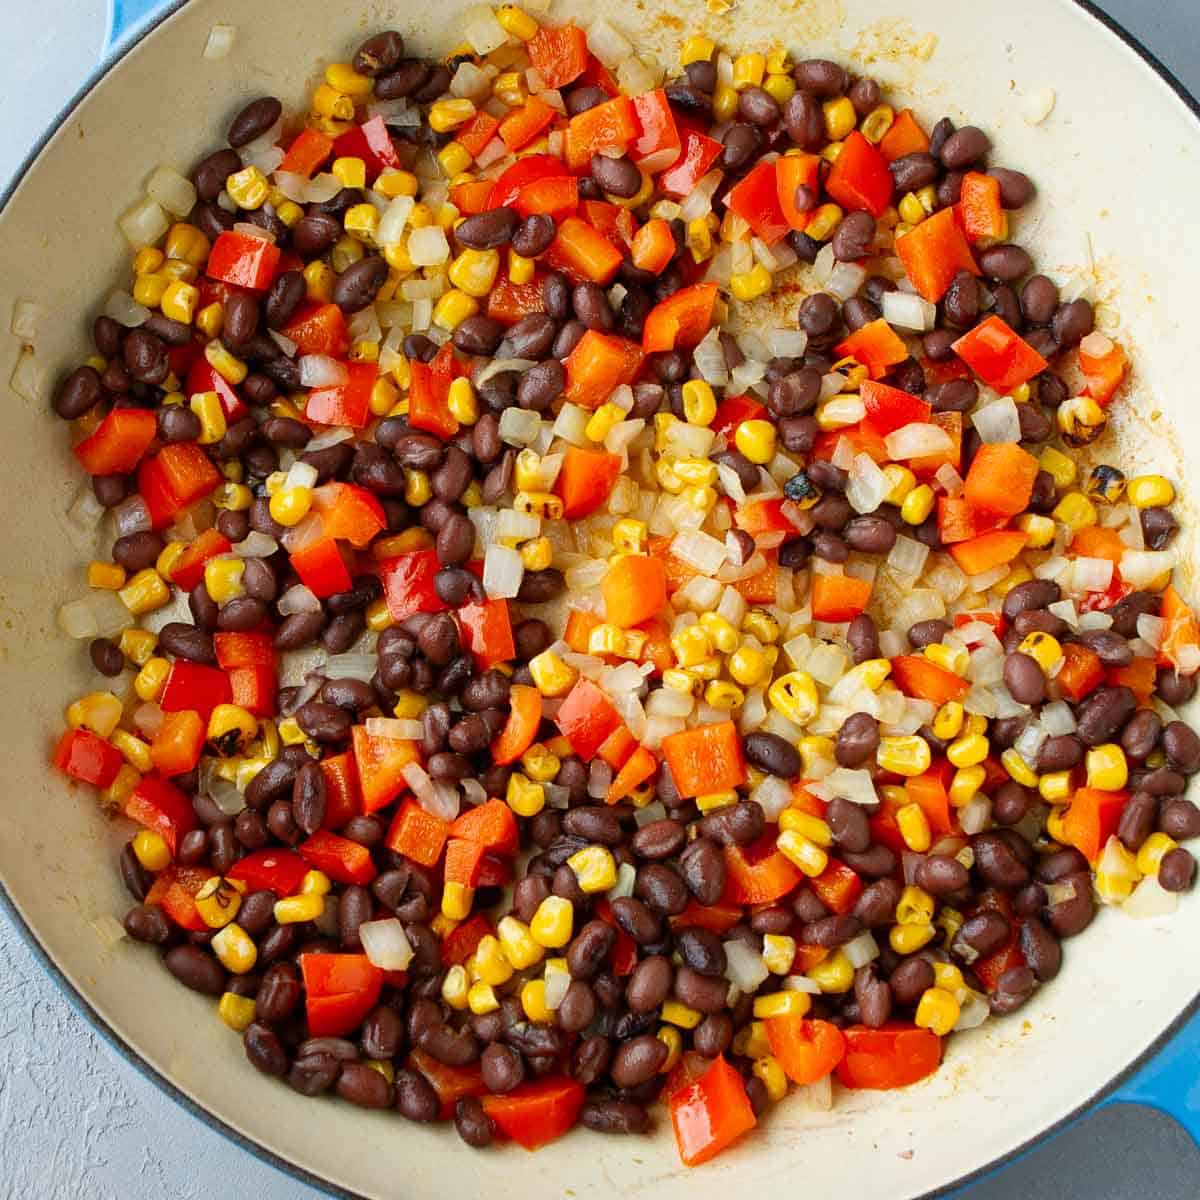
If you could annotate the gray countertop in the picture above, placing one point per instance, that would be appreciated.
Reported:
(76, 1120)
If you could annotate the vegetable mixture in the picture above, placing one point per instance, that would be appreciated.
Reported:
(604, 607)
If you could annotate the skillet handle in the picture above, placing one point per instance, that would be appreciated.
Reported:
(1169, 1081)
(125, 17)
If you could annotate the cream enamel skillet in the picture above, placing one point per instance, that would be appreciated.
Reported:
(1114, 161)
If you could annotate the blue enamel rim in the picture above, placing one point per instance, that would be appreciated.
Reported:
(126, 30)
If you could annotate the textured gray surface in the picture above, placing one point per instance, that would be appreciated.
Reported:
(76, 1120)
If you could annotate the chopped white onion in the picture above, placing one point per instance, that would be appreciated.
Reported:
(392, 223)
(610, 46)
(1150, 899)
(298, 599)
(319, 370)
(125, 310)
(1141, 567)
(773, 795)
(949, 480)
(172, 191)
(256, 545)
(219, 42)
(1037, 105)
(98, 614)
(699, 550)
(845, 280)
(861, 950)
(386, 944)
(503, 571)
(428, 246)
(1058, 719)
(479, 27)
(907, 311)
(431, 798)
(394, 728)
(143, 223)
(27, 320)
(998, 422)
(626, 878)
(351, 666)
(867, 484)
(975, 814)
(908, 556)
(519, 426)
(916, 440)
(744, 966)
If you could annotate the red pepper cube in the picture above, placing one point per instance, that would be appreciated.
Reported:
(192, 685)
(319, 329)
(586, 719)
(710, 1113)
(408, 584)
(681, 320)
(538, 1111)
(371, 142)
(179, 475)
(876, 345)
(86, 756)
(238, 258)
(339, 991)
(859, 179)
(321, 568)
(341, 859)
(520, 126)
(557, 197)
(342, 799)
(429, 394)
(895, 1056)
(244, 650)
(524, 171)
(380, 763)
(487, 633)
(559, 54)
(189, 569)
(273, 870)
(162, 807)
(755, 198)
(464, 861)
(999, 355)
(346, 403)
(586, 480)
(608, 126)
(117, 444)
(657, 145)
(254, 689)
(695, 160)
(889, 409)
(201, 377)
(349, 512)
(417, 834)
(178, 742)
(600, 363)
(308, 151)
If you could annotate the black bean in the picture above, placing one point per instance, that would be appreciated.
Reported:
(831, 931)
(478, 335)
(857, 740)
(1177, 871)
(1024, 678)
(637, 920)
(614, 1116)
(942, 875)
(703, 870)
(874, 997)
(735, 825)
(1013, 989)
(1182, 747)
(853, 237)
(591, 307)
(804, 120)
(363, 1086)
(541, 385)
(196, 969)
(503, 1068)
(210, 176)
(996, 861)
(1072, 916)
(406, 78)
(870, 534)
(324, 723)
(1016, 188)
(1179, 819)
(616, 176)
(415, 1098)
(1102, 713)
(964, 148)
(773, 754)
(702, 950)
(821, 77)
(649, 985)
(253, 121)
(910, 979)
(471, 1123)
(488, 230)
(912, 172)
(1033, 593)
(741, 143)
(148, 923)
(359, 284)
(984, 932)
(757, 106)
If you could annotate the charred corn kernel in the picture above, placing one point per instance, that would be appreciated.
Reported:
(748, 70)
(721, 694)
(779, 86)
(751, 284)
(1106, 483)
(350, 172)
(1039, 528)
(914, 828)
(630, 536)
(518, 944)
(696, 48)
(417, 488)
(906, 755)
(824, 221)
(603, 421)
(551, 675)
(1150, 491)
(917, 505)
(1080, 421)
(150, 289)
(137, 645)
(1061, 468)
(236, 1011)
(948, 721)
(179, 301)
(876, 123)
(1018, 768)
(794, 696)
(290, 733)
(533, 1001)
(454, 158)
(187, 243)
(248, 188)
(445, 115)
(595, 869)
(106, 576)
(231, 369)
(456, 901)
(223, 579)
(210, 319)
(690, 646)
(98, 711)
(1107, 768)
(474, 271)
(968, 750)
(711, 801)
(462, 402)
(803, 854)
(937, 1011)
(915, 907)
(910, 209)
(455, 986)
(966, 783)
(760, 624)
(319, 279)
(780, 1004)
(539, 764)
(233, 497)
(1043, 648)
(772, 1076)
(1055, 787)
(218, 902)
(234, 949)
(516, 21)
(150, 849)
(148, 683)
(720, 632)
(1075, 511)
(453, 309)
(231, 728)
(481, 999)
(777, 952)
(698, 239)
(553, 923)
(207, 406)
(908, 939)
(756, 440)
(342, 77)
(393, 183)
(145, 592)
(525, 797)
(949, 658)
(834, 974)
(840, 118)
(147, 261)
(1154, 849)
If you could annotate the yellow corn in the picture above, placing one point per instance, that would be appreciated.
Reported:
(747, 665)
(756, 440)
(491, 964)
(781, 1004)
(908, 939)
(759, 623)
(777, 952)
(677, 1013)
(98, 711)
(840, 118)
(910, 209)
(238, 1012)
(724, 695)
(519, 946)
(394, 182)
(210, 319)
(696, 49)
(291, 505)
(752, 284)
(1075, 511)
(445, 115)
(455, 986)
(801, 852)
(151, 850)
(218, 902)
(1107, 768)
(1153, 850)
(834, 974)
(917, 505)
(137, 645)
(453, 158)
(342, 77)
(474, 271)
(595, 869)
(207, 406)
(968, 750)
(533, 1001)
(814, 828)
(748, 70)
(1042, 648)
(1060, 467)
(915, 907)
(231, 729)
(109, 577)
(914, 828)
(708, 802)
(223, 579)
(1018, 768)
(248, 188)
(904, 755)
(1055, 787)
(523, 796)
(824, 221)
(773, 1078)
(966, 783)
(603, 421)
(148, 683)
(361, 221)
(293, 910)
(937, 1010)
(456, 901)
(553, 922)
(948, 721)
(481, 999)
(234, 949)
(516, 21)
(453, 309)
(145, 592)
(186, 243)
(551, 675)
(350, 172)
(1039, 528)
(179, 301)
(794, 696)
(231, 369)
(539, 764)
(725, 102)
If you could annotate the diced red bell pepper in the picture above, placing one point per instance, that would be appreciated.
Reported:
(429, 394)
(792, 172)
(521, 125)
(380, 762)
(471, 197)
(339, 991)
(477, 132)
(341, 859)
(915, 675)
(617, 748)
(450, 1083)
(349, 512)
(1180, 628)
(928, 791)
(757, 873)
(861, 439)
(875, 345)
(509, 302)
(524, 171)
(637, 770)
(705, 759)
(319, 329)
(557, 197)
(174, 891)
(321, 568)
(254, 689)
(599, 364)
(1009, 957)
(657, 144)
(710, 1113)
(309, 150)
(959, 520)
(346, 403)
(520, 730)
(1001, 478)
(596, 74)
(586, 718)
(408, 584)
(755, 198)
(837, 598)
(417, 834)
(904, 137)
(988, 550)
(463, 940)
(490, 825)
(342, 800)
(608, 126)
(1091, 819)
(86, 756)
(193, 685)
(838, 887)
(176, 477)
(695, 160)
(634, 590)
(189, 569)
(273, 870)
(178, 742)
(623, 957)
(998, 355)
(681, 320)
(859, 179)
(653, 247)
(926, 466)
(889, 409)
(238, 258)
(895, 1056)
(1103, 364)
(807, 1050)
(486, 630)
(371, 142)
(538, 1111)
(558, 53)
(934, 252)
(201, 377)
(716, 918)
(583, 253)
(464, 862)
(733, 410)
(118, 442)
(980, 211)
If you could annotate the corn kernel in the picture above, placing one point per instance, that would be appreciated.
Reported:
(780, 87)
(453, 308)
(293, 910)
(708, 802)
(151, 849)
(207, 406)
(1107, 768)
(109, 577)
(516, 21)
(474, 271)
(603, 421)
(519, 946)
(823, 222)
(834, 974)
(910, 209)
(453, 158)
(553, 922)
(523, 796)
(551, 675)
(234, 949)
(794, 696)
(1153, 850)
(342, 77)
(904, 755)
(948, 721)
(350, 172)
(778, 952)
(1042, 648)
(238, 1012)
(1055, 787)
(756, 440)
(1060, 467)
(481, 999)
(773, 1078)
(187, 244)
(966, 784)
(179, 301)
(752, 1041)
(840, 118)
(248, 188)
(1018, 768)
(968, 750)
(217, 902)
(445, 115)
(490, 964)
(1039, 528)
(781, 1004)
(148, 683)
(210, 319)
(876, 123)
(908, 939)
(231, 369)
(394, 182)
(696, 49)
(1076, 511)
(915, 907)
(1150, 491)
(801, 852)
(937, 1011)
(145, 592)
(456, 901)
(533, 1001)
(917, 505)
(595, 869)
(417, 488)
(751, 284)
(675, 1012)
(748, 70)
(462, 403)
(455, 986)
